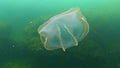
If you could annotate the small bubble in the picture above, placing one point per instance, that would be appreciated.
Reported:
(13, 46)
(31, 22)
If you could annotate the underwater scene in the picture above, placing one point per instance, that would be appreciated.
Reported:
(23, 41)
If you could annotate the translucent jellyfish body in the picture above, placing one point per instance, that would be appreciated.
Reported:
(64, 30)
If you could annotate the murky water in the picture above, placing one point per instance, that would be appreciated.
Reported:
(20, 45)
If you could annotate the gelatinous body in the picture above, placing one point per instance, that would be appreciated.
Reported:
(64, 30)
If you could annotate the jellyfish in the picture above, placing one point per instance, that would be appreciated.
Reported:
(64, 30)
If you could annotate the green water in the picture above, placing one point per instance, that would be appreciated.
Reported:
(20, 46)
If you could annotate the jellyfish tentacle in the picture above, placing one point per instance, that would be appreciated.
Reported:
(71, 34)
(60, 38)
